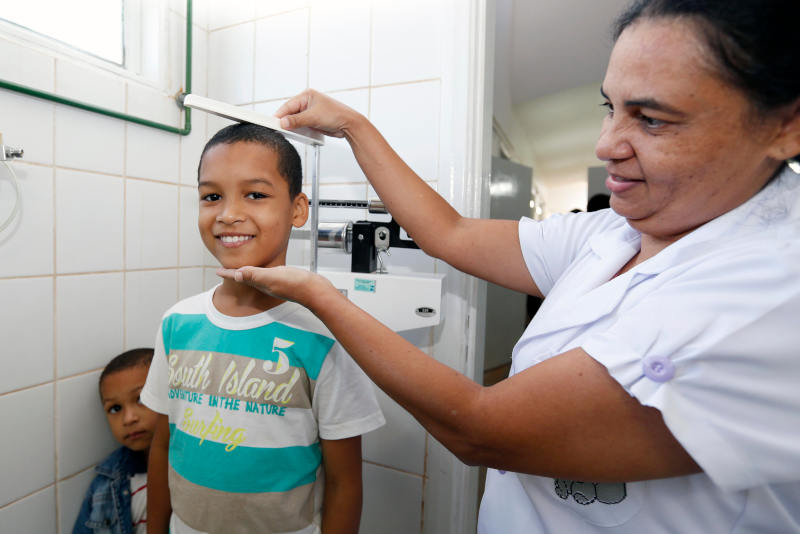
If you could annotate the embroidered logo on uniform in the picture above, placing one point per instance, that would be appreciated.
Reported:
(588, 492)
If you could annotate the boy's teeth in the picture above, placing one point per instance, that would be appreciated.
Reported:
(234, 238)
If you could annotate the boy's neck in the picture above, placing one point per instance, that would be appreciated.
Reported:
(239, 300)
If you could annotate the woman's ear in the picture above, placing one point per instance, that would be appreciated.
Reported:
(787, 142)
(299, 210)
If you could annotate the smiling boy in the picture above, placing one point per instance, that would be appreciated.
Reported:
(261, 410)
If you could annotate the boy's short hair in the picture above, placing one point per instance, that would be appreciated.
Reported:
(288, 159)
(126, 360)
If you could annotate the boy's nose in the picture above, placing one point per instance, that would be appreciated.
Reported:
(130, 415)
(228, 218)
(230, 214)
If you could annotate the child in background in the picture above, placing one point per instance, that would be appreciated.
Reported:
(116, 501)
(263, 410)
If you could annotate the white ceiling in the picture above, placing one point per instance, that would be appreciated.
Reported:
(558, 44)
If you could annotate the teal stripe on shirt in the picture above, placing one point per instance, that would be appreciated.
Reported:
(243, 469)
(196, 332)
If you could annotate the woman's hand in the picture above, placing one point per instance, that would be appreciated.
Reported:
(312, 109)
(288, 283)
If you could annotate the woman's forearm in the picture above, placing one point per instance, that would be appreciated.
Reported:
(443, 400)
(420, 210)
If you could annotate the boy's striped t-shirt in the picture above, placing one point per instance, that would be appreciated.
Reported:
(248, 399)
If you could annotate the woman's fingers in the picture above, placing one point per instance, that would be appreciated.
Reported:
(283, 282)
(315, 110)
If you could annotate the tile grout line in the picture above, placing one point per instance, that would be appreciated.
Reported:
(56, 441)
(125, 228)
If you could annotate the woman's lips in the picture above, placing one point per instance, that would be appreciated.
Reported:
(619, 184)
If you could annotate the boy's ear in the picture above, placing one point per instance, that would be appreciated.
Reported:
(299, 210)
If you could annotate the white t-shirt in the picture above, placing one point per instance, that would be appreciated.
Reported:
(139, 503)
(249, 399)
(708, 332)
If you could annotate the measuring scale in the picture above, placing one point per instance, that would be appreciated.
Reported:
(401, 302)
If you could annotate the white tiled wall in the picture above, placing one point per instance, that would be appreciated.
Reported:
(107, 240)
(104, 242)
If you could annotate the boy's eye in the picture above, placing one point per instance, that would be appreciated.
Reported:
(211, 197)
(114, 408)
(256, 195)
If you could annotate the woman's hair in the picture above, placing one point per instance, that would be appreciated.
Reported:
(754, 43)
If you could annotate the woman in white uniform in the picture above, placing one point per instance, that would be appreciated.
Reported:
(658, 388)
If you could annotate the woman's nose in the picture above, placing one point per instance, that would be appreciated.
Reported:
(613, 144)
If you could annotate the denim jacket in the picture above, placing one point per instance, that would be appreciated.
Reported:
(106, 508)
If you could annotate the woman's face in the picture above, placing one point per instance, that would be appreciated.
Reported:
(680, 144)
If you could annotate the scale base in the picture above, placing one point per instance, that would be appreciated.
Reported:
(401, 302)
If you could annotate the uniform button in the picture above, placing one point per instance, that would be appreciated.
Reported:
(658, 368)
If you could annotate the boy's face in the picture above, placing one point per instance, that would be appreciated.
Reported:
(246, 214)
(132, 423)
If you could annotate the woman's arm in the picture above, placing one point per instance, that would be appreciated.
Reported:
(473, 246)
(159, 507)
(341, 505)
(565, 417)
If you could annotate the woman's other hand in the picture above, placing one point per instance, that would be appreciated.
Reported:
(288, 283)
(312, 109)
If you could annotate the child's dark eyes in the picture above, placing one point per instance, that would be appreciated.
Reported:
(114, 408)
(256, 195)
(211, 197)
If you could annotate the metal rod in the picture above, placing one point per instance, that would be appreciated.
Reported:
(314, 209)
(187, 128)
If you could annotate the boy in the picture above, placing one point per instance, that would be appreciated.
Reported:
(116, 500)
(262, 410)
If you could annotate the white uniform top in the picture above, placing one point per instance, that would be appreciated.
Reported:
(708, 332)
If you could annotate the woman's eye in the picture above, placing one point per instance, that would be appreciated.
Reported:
(650, 122)
(608, 106)
(211, 197)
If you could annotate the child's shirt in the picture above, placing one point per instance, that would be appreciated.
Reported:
(139, 503)
(248, 400)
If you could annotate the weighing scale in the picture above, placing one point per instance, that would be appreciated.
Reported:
(401, 302)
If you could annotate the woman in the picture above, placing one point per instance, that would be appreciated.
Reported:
(656, 389)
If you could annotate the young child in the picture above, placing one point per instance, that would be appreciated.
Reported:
(263, 410)
(117, 498)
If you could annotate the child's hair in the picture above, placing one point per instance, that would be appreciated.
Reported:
(126, 360)
(288, 159)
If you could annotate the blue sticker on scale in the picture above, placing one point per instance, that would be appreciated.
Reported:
(362, 284)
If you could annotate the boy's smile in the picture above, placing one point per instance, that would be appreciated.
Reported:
(246, 213)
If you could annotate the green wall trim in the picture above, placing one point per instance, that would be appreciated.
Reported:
(187, 125)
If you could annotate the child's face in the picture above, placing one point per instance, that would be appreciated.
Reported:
(246, 214)
(132, 423)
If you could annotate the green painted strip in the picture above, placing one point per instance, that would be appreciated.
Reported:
(187, 128)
